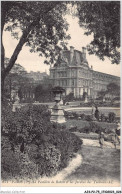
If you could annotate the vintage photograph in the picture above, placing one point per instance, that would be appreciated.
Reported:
(60, 93)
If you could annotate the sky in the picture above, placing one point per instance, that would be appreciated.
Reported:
(32, 62)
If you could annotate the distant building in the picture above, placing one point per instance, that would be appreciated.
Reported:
(37, 76)
(73, 73)
(28, 93)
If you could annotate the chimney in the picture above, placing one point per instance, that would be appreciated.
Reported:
(71, 53)
(84, 52)
(91, 67)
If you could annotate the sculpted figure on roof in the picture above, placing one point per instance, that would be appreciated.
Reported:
(62, 58)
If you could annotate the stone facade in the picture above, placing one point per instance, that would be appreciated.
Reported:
(73, 73)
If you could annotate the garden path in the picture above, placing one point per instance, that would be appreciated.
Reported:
(76, 165)
(91, 142)
(76, 162)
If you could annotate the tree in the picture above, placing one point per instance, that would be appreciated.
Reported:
(102, 93)
(42, 28)
(16, 78)
(69, 97)
(113, 89)
(43, 93)
(84, 95)
(102, 19)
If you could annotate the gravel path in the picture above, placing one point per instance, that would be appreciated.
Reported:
(91, 142)
(73, 165)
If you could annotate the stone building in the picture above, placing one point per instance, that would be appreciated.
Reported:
(72, 72)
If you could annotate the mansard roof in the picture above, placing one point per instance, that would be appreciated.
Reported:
(105, 74)
(77, 57)
(77, 60)
(66, 54)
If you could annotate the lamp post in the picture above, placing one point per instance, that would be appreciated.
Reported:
(57, 114)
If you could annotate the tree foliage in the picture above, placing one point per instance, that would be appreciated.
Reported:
(16, 78)
(102, 93)
(102, 19)
(113, 89)
(69, 97)
(84, 95)
(43, 93)
(42, 26)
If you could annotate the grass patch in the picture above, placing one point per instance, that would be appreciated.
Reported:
(101, 110)
(76, 123)
(98, 164)
(91, 135)
(81, 124)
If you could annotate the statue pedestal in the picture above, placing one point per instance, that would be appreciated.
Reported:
(86, 100)
(15, 106)
(61, 102)
(57, 114)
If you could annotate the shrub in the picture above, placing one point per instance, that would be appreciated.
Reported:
(69, 97)
(68, 114)
(88, 118)
(102, 117)
(96, 127)
(111, 117)
(75, 115)
(46, 157)
(9, 163)
(85, 130)
(36, 144)
(27, 167)
(93, 127)
(73, 129)
(83, 116)
(69, 145)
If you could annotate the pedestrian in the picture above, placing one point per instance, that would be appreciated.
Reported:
(97, 113)
(92, 109)
(114, 139)
(118, 129)
(101, 139)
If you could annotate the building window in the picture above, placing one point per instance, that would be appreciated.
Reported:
(65, 82)
(73, 73)
(73, 82)
(64, 74)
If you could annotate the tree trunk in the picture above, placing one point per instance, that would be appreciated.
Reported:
(22, 41)
(16, 52)
(2, 86)
(3, 14)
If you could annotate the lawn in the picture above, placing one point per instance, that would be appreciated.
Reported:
(102, 110)
(91, 135)
(81, 124)
(98, 164)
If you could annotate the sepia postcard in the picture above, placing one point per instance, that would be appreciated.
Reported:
(60, 94)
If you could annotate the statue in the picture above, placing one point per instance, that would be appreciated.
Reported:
(16, 104)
